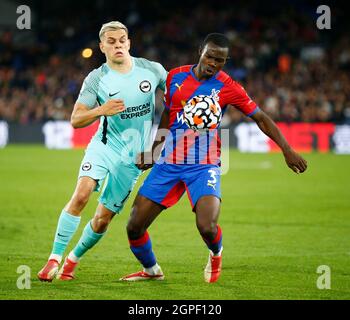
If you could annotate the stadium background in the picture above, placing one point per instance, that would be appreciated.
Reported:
(297, 73)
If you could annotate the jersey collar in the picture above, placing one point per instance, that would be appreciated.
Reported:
(124, 75)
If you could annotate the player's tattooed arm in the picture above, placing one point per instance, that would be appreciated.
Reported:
(145, 160)
(82, 115)
(294, 161)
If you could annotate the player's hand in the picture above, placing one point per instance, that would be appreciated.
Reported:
(294, 161)
(112, 107)
(144, 160)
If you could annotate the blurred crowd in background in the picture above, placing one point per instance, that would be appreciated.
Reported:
(293, 70)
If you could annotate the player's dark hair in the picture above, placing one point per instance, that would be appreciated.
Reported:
(218, 39)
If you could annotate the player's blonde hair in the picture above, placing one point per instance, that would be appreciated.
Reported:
(112, 25)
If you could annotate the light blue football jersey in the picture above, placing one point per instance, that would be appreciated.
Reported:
(128, 131)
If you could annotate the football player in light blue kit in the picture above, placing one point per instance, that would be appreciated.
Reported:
(121, 93)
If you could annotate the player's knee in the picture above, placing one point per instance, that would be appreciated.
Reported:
(134, 231)
(100, 224)
(134, 228)
(81, 198)
(207, 230)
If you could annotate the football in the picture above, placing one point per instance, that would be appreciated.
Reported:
(202, 112)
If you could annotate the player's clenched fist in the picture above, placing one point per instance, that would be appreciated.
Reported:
(112, 107)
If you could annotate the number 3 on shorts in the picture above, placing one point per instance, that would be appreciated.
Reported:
(212, 181)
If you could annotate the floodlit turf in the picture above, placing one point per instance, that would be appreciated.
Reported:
(278, 227)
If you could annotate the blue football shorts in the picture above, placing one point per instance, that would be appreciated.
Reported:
(166, 183)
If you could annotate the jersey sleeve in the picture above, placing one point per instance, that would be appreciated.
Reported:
(238, 97)
(89, 89)
(156, 68)
(167, 96)
(161, 74)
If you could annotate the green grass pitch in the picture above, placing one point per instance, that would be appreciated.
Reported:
(278, 227)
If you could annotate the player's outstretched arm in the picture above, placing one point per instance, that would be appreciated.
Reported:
(82, 115)
(294, 161)
(145, 160)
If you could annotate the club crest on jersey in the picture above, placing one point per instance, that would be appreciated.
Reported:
(180, 118)
(145, 86)
(215, 94)
(86, 166)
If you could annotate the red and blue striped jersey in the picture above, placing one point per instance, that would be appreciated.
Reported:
(182, 144)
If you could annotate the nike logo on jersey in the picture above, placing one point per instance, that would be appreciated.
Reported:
(113, 94)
